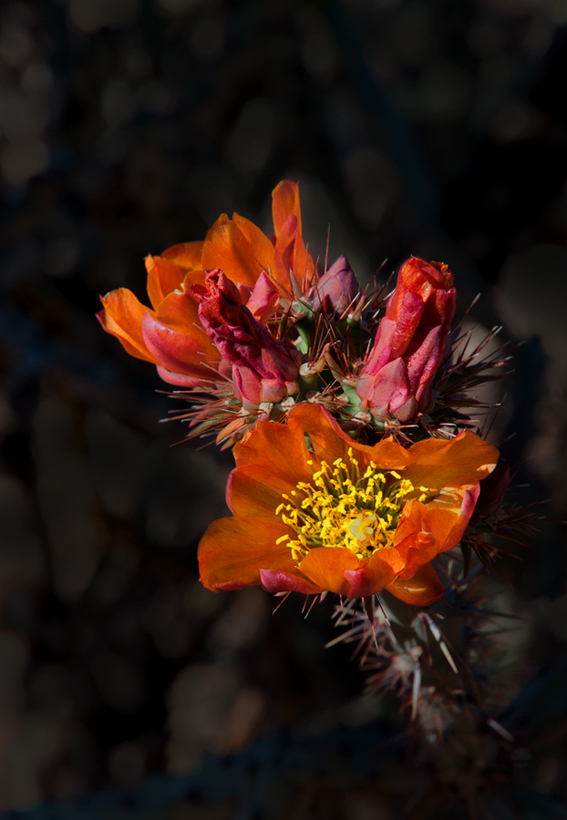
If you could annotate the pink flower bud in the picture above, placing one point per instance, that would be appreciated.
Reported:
(337, 290)
(395, 381)
(264, 369)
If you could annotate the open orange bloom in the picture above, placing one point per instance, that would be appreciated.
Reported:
(170, 333)
(314, 510)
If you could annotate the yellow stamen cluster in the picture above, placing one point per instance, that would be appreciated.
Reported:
(344, 508)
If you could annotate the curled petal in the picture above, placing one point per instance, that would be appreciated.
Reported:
(382, 568)
(179, 379)
(122, 317)
(229, 586)
(164, 276)
(278, 581)
(422, 589)
(467, 508)
(326, 568)
(177, 341)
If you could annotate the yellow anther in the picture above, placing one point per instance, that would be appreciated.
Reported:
(343, 509)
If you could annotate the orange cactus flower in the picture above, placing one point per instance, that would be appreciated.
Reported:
(170, 334)
(313, 510)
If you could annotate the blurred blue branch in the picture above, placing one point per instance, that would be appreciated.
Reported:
(349, 755)
(263, 776)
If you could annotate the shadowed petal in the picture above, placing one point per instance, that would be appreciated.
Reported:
(234, 550)
(423, 589)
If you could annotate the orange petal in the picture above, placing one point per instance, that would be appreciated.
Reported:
(194, 277)
(380, 571)
(278, 448)
(423, 589)
(222, 219)
(462, 461)
(285, 201)
(425, 530)
(234, 550)
(164, 276)
(187, 255)
(284, 253)
(330, 442)
(290, 256)
(261, 246)
(122, 317)
(326, 567)
(227, 248)
(256, 491)
(180, 311)
(423, 527)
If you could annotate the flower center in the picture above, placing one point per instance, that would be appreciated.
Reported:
(343, 507)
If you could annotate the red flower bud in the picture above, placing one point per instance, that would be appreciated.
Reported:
(336, 290)
(396, 379)
(264, 369)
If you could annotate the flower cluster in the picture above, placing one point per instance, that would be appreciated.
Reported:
(356, 467)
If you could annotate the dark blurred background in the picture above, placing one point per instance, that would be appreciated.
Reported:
(431, 127)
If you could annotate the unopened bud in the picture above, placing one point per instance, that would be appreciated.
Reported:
(264, 369)
(337, 291)
(396, 379)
